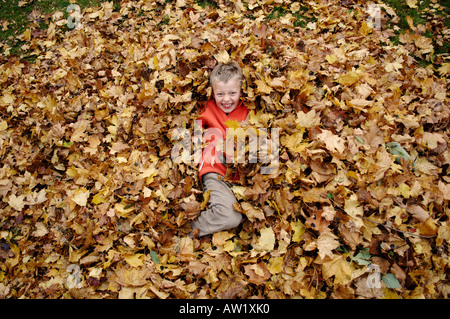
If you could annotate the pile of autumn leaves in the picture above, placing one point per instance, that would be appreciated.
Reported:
(93, 205)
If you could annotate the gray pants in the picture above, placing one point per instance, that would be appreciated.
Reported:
(220, 215)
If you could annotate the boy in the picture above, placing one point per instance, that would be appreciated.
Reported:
(225, 80)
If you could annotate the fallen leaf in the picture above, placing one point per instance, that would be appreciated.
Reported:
(134, 260)
(299, 229)
(266, 241)
(250, 211)
(81, 196)
(338, 267)
(326, 243)
(333, 142)
(257, 273)
(412, 3)
(17, 202)
(349, 78)
(310, 119)
(40, 231)
(418, 212)
(262, 87)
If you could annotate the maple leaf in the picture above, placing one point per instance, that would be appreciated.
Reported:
(338, 267)
(411, 3)
(257, 273)
(40, 231)
(326, 243)
(349, 78)
(333, 142)
(131, 276)
(250, 211)
(17, 202)
(134, 260)
(262, 87)
(310, 119)
(418, 212)
(222, 56)
(299, 230)
(266, 241)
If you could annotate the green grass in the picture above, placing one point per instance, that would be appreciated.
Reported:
(421, 14)
(425, 12)
(17, 15)
(206, 3)
(301, 18)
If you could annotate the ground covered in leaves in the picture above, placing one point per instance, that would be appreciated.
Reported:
(92, 204)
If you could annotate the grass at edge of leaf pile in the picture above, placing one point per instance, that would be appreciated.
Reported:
(17, 15)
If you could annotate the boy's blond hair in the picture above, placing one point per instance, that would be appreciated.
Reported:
(223, 72)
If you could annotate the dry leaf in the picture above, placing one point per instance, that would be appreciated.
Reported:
(91, 196)
(326, 243)
(418, 212)
(266, 241)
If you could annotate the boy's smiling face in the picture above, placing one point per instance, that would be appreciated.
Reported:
(227, 94)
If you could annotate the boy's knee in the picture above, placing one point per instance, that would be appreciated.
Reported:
(228, 217)
(235, 219)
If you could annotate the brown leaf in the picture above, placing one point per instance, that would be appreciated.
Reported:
(250, 211)
(418, 212)
(257, 273)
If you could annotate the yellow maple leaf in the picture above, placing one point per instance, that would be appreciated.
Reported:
(299, 230)
(27, 35)
(99, 198)
(424, 44)
(40, 231)
(3, 125)
(349, 78)
(260, 118)
(444, 69)
(326, 243)
(204, 203)
(338, 267)
(17, 202)
(354, 209)
(266, 241)
(412, 3)
(393, 67)
(232, 124)
(331, 58)
(134, 260)
(123, 210)
(263, 87)
(404, 190)
(333, 142)
(6, 99)
(310, 119)
(275, 265)
(220, 238)
(365, 28)
(428, 228)
(81, 196)
(294, 142)
(222, 56)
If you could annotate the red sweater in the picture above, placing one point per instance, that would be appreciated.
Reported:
(213, 117)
